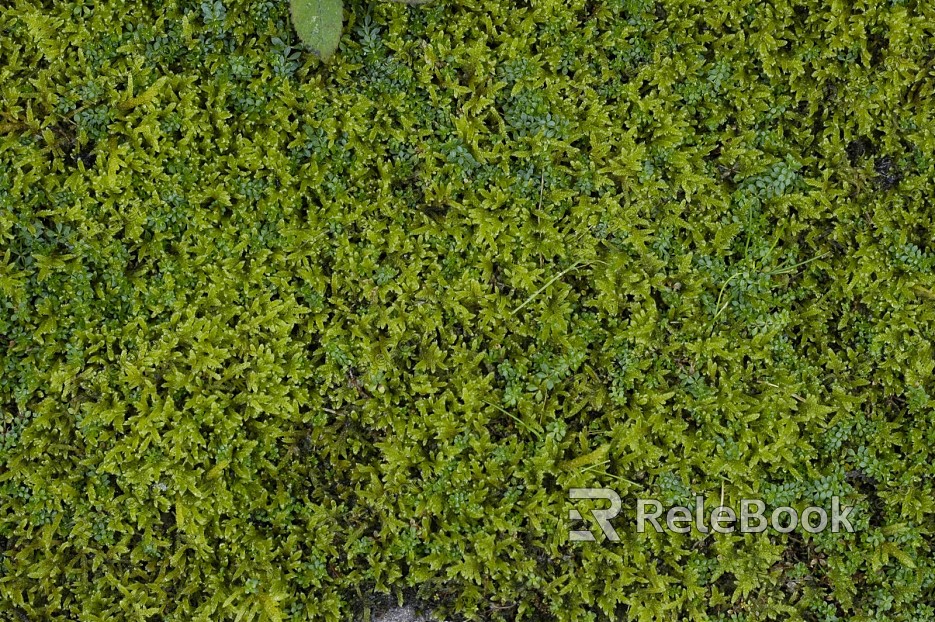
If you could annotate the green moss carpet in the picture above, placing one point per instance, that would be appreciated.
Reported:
(286, 340)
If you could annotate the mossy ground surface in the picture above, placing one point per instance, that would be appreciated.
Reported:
(279, 335)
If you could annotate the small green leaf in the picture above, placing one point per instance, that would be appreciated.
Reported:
(318, 24)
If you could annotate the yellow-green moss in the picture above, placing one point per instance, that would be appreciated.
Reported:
(276, 335)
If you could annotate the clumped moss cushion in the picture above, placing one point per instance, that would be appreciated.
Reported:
(279, 336)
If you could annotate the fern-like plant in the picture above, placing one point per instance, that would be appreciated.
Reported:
(319, 23)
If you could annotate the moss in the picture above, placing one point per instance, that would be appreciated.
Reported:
(277, 335)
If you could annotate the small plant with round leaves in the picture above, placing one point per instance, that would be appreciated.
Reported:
(319, 23)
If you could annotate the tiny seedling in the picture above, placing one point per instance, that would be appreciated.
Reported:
(319, 23)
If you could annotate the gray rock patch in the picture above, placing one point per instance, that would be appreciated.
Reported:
(401, 614)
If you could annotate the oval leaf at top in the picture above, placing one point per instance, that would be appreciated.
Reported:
(318, 24)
